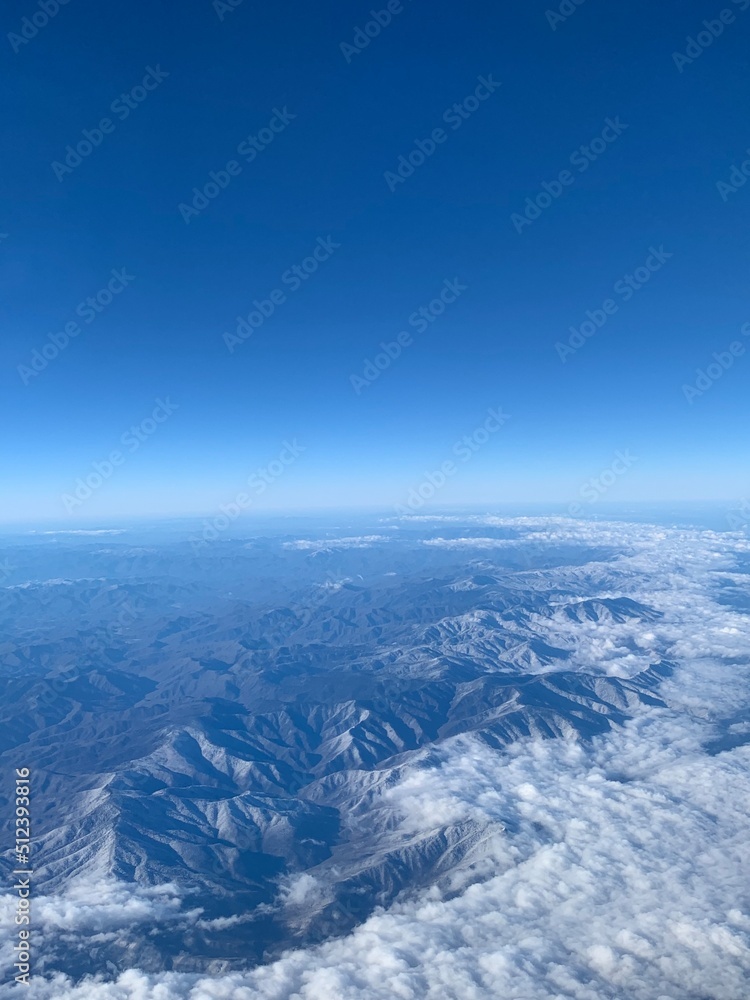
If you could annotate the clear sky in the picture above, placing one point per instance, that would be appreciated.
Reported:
(120, 112)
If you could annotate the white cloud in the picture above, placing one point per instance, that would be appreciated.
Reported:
(91, 910)
(470, 543)
(331, 544)
(82, 531)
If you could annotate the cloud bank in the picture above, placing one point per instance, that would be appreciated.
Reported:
(611, 869)
(619, 873)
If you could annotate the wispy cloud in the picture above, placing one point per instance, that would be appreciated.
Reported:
(330, 544)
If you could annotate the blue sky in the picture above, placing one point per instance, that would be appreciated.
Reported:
(316, 132)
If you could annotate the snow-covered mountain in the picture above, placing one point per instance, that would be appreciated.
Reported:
(224, 737)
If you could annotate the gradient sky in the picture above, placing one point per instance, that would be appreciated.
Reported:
(323, 176)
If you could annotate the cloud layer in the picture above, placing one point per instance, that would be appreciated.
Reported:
(618, 873)
(616, 868)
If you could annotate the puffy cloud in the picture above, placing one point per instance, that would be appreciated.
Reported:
(91, 911)
(299, 889)
(104, 905)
